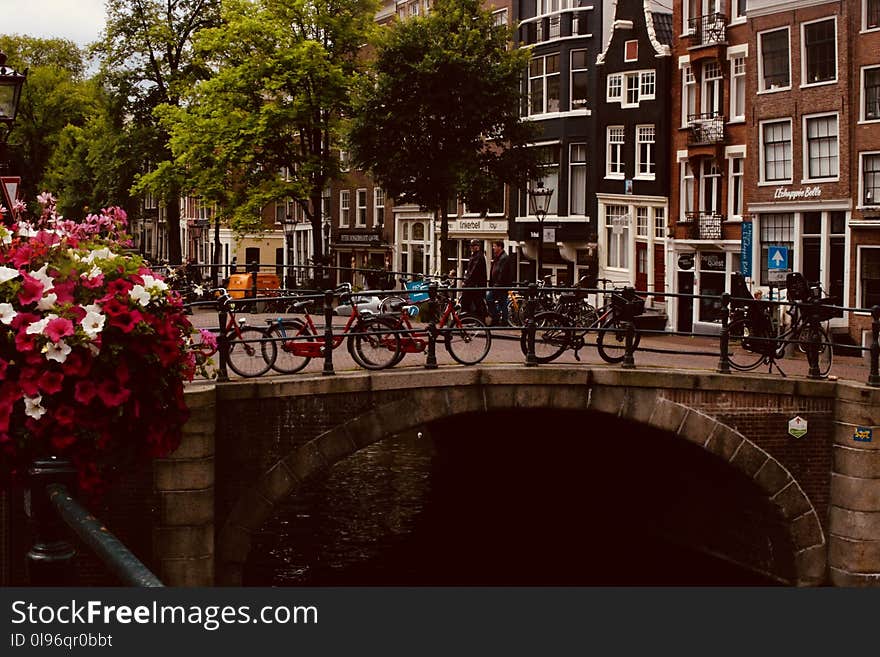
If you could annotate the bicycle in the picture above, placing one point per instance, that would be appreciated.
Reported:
(250, 354)
(372, 344)
(557, 331)
(465, 337)
(755, 341)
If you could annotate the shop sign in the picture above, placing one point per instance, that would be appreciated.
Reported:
(786, 194)
(359, 238)
(745, 260)
(797, 427)
(863, 434)
(478, 226)
(686, 261)
(712, 262)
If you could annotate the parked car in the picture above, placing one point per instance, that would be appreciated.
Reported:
(364, 303)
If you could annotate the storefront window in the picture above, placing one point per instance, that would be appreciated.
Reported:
(776, 230)
(712, 268)
(869, 277)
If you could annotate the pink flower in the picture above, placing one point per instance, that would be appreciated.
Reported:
(61, 441)
(31, 290)
(126, 320)
(84, 391)
(58, 328)
(51, 382)
(112, 393)
(65, 291)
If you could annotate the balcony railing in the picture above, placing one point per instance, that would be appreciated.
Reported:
(703, 225)
(705, 128)
(708, 30)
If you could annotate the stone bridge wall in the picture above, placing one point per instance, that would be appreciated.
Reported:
(249, 444)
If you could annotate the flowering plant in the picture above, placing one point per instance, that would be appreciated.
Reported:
(93, 347)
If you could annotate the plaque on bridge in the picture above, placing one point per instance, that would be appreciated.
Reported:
(797, 427)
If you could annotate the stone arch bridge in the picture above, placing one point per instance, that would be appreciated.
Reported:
(251, 444)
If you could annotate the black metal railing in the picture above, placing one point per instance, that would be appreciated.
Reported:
(707, 30)
(706, 128)
(55, 517)
(703, 225)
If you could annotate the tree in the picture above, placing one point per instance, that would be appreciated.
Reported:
(147, 59)
(439, 118)
(54, 96)
(283, 75)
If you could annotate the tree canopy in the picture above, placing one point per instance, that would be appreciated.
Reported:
(439, 118)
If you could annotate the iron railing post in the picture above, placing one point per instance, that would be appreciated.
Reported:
(530, 328)
(50, 558)
(222, 341)
(813, 349)
(431, 357)
(328, 334)
(874, 377)
(629, 361)
(724, 345)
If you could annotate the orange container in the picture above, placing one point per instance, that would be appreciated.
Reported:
(241, 286)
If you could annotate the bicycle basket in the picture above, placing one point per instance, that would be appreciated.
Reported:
(628, 304)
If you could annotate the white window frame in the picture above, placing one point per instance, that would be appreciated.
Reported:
(344, 161)
(344, 208)
(643, 220)
(579, 104)
(577, 166)
(617, 79)
(762, 180)
(864, 22)
(714, 83)
(616, 146)
(863, 98)
(688, 94)
(378, 205)
(732, 188)
(687, 189)
(661, 226)
(625, 44)
(735, 16)
(360, 217)
(804, 82)
(875, 201)
(859, 249)
(805, 148)
(544, 77)
(651, 162)
(642, 80)
(770, 90)
(737, 84)
(616, 245)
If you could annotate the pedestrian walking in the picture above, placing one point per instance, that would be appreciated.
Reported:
(473, 301)
(501, 276)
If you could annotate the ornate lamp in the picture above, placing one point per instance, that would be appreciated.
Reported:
(539, 201)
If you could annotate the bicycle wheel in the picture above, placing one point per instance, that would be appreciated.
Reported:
(469, 343)
(739, 357)
(386, 305)
(826, 353)
(611, 342)
(514, 314)
(286, 361)
(374, 345)
(550, 339)
(247, 357)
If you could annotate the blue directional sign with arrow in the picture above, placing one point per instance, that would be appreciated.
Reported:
(777, 263)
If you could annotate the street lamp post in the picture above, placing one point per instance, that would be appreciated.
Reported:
(539, 199)
(11, 83)
(289, 225)
(327, 257)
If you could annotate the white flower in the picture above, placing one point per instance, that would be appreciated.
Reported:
(99, 254)
(47, 302)
(154, 284)
(93, 323)
(26, 230)
(33, 407)
(7, 313)
(94, 272)
(92, 308)
(44, 278)
(57, 351)
(140, 295)
(38, 327)
(7, 274)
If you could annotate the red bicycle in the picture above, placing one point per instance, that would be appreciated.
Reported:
(373, 345)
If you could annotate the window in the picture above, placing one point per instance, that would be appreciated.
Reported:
(645, 135)
(578, 78)
(378, 206)
(773, 64)
(688, 95)
(631, 51)
(688, 186)
(344, 208)
(544, 85)
(615, 87)
(775, 230)
(710, 188)
(615, 152)
(415, 256)
(871, 178)
(642, 221)
(344, 160)
(659, 223)
(554, 32)
(821, 135)
(872, 14)
(548, 158)
(871, 93)
(869, 277)
(737, 10)
(361, 207)
(738, 88)
(713, 88)
(820, 51)
(776, 147)
(499, 18)
(736, 187)
(617, 235)
(647, 85)
(577, 179)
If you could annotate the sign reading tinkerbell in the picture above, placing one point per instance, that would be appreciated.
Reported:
(797, 427)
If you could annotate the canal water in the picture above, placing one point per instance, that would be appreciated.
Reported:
(510, 499)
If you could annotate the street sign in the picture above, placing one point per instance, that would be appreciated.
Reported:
(777, 263)
(745, 260)
(9, 187)
(550, 235)
(863, 434)
(797, 427)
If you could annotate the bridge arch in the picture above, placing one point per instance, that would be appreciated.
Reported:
(427, 400)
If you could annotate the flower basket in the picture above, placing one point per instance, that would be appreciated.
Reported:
(93, 348)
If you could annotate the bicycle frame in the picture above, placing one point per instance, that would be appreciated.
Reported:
(315, 348)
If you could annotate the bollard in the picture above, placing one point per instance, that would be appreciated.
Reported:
(431, 357)
(328, 334)
(813, 351)
(724, 345)
(530, 328)
(874, 377)
(222, 341)
(50, 559)
(629, 361)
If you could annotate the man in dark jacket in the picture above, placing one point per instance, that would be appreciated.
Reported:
(475, 276)
(501, 276)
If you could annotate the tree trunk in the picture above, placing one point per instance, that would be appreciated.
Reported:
(172, 222)
(444, 237)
